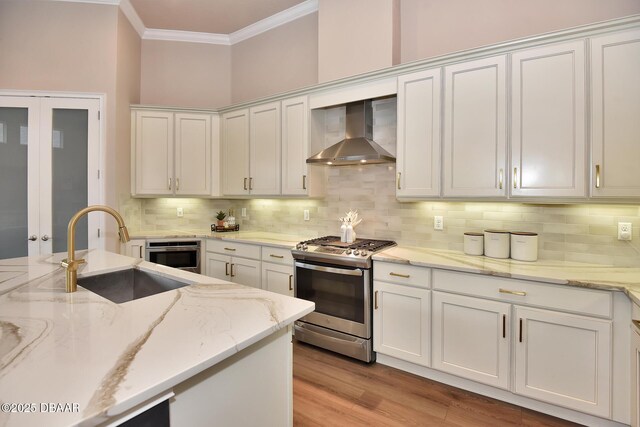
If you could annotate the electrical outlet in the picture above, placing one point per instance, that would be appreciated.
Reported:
(180, 212)
(306, 214)
(244, 212)
(438, 222)
(625, 231)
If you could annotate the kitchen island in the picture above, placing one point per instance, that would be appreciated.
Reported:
(212, 348)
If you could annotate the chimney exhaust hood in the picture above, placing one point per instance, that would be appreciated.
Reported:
(358, 147)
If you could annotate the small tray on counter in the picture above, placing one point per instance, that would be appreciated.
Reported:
(223, 229)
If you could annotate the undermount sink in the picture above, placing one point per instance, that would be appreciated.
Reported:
(128, 285)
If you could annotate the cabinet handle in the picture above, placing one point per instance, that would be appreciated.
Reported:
(250, 183)
(140, 249)
(597, 176)
(510, 292)
(232, 275)
(226, 268)
(398, 180)
(375, 297)
(169, 183)
(504, 326)
(406, 276)
(276, 256)
(177, 184)
(515, 177)
(33, 238)
(290, 285)
(501, 180)
(245, 184)
(304, 182)
(520, 330)
(230, 249)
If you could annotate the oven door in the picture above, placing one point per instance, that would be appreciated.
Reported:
(342, 296)
(181, 257)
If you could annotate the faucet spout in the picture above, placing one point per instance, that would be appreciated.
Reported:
(70, 263)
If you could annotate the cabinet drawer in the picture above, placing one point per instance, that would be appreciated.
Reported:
(277, 255)
(564, 298)
(232, 248)
(402, 273)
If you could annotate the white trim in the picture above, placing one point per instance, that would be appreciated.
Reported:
(298, 11)
(107, 2)
(185, 36)
(132, 16)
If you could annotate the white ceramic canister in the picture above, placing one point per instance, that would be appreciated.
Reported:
(473, 243)
(524, 246)
(496, 243)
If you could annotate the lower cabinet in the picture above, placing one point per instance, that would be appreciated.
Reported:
(563, 359)
(277, 278)
(401, 322)
(134, 248)
(471, 338)
(234, 269)
(635, 376)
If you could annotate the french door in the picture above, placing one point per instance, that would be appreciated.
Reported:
(49, 163)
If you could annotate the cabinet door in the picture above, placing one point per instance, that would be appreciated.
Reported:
(193, 154)
(418, 156)
(277, 278)
(134, 248)
(218, 266)
(154, 152)
(295, 146)
(265, 144)
(615, 109)
(563, 359)
(635, 377)
(471, 338)
(245, 272)
(401, 322)
(235, 153)
(548, 121)
(475, 128)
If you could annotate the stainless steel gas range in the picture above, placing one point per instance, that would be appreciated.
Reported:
(338, 278)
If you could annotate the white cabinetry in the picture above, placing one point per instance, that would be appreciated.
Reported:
(564, 359)
(235, 262)
(134, 248)
(471, 338)
(171, 153)
(548, 121)
(418, 150)
(401, 312)
(295, 146)
(235, 153)
(264, 149)
(277, 270)
(635, 372)
(475, 128)
(615, 109)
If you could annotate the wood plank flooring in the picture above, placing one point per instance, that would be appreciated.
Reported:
(332, 390)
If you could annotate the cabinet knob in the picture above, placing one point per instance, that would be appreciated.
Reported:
(45, 238)
(33, 237)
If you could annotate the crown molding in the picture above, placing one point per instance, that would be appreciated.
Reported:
(132, 16)
(186, 36)
(298, 11)
(107, 2)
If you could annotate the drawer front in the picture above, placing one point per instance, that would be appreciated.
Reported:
(558, 297)
(402, 273)
(277, 255)
(234, 249)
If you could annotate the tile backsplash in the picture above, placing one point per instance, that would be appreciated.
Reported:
(585, 233)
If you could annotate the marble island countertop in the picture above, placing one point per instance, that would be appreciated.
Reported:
(594, 276)
(103, 358)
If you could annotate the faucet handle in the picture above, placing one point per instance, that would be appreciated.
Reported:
(73, 265)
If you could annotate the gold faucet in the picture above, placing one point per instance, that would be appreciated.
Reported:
(70, 263)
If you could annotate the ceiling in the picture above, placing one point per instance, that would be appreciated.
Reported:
(207, 16)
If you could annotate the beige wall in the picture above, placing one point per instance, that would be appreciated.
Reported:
(355, 36)
(185, 74)
(278, 60)
(436, 27)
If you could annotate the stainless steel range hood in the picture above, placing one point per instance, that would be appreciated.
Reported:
(358, 147)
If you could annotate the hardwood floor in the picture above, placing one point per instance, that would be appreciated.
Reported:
(332, 390)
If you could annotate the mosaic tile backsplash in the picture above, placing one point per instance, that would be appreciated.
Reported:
(584, 233)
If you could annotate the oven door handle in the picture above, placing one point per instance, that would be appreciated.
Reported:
(173, 249)
(346, 272)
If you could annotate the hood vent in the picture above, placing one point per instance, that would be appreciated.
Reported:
(358, 147)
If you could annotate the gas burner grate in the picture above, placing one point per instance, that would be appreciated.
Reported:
(368, 244)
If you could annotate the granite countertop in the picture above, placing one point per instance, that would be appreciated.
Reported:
(263, 238)
(593, 276)
(106, 358)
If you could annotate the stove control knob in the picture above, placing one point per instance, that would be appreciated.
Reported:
(348, 251)
(304, 247)
(356, 252)
(364, 253)
(299, 246)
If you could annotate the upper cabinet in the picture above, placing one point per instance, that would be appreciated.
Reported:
(548, 144)
(264, 149)
(474, 142)
(418, 149)
(295, 146)
(235, 153)
(615, 114)
(171, 153)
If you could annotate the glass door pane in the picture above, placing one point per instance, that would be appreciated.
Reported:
(13, 182)
(69, 145)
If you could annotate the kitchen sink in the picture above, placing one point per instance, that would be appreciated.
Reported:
(128, 285)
